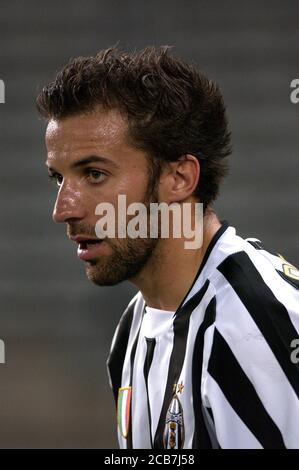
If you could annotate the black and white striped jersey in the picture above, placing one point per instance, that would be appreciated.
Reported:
(221, 371)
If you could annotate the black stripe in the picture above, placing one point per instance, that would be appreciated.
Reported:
(201, 439)
(213, 420)
(257, 244)
(270, 315)
(211, 414)
(240, 393)
(116, 357)
(210, 425)
(180, 330)
(150, 347)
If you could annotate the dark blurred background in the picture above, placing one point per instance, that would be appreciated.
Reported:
(57, 327)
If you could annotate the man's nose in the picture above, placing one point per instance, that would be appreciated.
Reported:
(69, 204)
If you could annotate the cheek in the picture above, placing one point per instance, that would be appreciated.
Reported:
(134, 186)
(90, 201)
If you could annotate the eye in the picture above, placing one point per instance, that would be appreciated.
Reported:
(96, 176)
(56, 178)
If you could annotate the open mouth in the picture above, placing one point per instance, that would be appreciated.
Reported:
(89, 249)
(86, 244)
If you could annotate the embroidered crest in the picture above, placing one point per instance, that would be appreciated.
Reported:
(123, 410)
(174, 431)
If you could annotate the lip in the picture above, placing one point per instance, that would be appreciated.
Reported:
(81, 238)
(87, 251)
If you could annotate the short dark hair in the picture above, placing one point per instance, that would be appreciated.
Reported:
(171, 108)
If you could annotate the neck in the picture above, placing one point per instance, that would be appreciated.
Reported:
(165, 284)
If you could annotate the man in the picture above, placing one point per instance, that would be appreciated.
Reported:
(203, 356)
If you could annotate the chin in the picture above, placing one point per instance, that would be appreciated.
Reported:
(102, 278)
(123, 264)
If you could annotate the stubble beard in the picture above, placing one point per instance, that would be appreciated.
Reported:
(126, 261)
(129, 256)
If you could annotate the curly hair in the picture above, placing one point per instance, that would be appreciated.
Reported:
(171, 108)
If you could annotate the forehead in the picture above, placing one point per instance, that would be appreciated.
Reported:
(97, 128)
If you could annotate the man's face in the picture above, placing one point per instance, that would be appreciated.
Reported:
(92, 162)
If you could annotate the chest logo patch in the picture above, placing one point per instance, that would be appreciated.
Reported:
(174, 431)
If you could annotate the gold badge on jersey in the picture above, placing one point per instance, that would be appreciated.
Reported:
(174, 431)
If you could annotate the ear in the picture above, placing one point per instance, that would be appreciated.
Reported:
(179, 179)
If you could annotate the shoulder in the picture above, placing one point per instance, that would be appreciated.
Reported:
(257, 313)
(256, 297)
(249, 366)
(257, 318)
(256, 277)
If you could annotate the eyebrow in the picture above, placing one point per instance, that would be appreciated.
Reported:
(94, 159)
(91, 159)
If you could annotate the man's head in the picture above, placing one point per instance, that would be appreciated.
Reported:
(146, 125)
